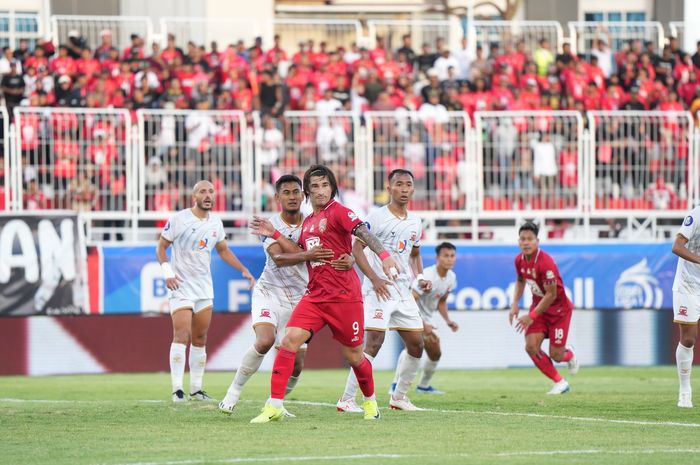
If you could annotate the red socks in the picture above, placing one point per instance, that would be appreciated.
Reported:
(568, 355)
(281, 371)
(545, 365)
(363, 373)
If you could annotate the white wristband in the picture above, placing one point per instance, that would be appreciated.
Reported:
(168, 272)
(420, 277)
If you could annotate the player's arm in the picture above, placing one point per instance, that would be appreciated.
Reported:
(231, 260)
(416, 262)
(263, 227)
(550, 293)
(442, 309)
(517, 295)
(389, 264)
(283, 258)
(680, 249)
(379, 284)
(172, 281)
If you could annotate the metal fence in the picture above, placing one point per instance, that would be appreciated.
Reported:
(528, 32)
(434, 149)
(300, 139)
(687, 33)
(7, 163)
(180, 147)
(420, 31)
(74, 159)
(204, 30)
(642, 161)
(17, 26)
(582, 34)
(334, 32)
(91, 29)
(530, 161)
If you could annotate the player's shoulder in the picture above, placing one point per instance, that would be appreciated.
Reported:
(694, 216)
(277, 221)
(452, 276)
(215, 219)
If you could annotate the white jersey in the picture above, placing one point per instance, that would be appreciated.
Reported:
(687, 280)
(398, 236)
(193, 240)
(283, 282)
(428, 302)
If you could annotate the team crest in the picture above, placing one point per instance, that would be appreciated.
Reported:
(683, 311)
(203, 244)
(378, 314)
(265, 313)
(401, 246)
(322, 225)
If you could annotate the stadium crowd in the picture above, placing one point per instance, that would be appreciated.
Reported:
(427, 82)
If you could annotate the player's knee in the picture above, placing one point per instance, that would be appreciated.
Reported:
(372, 346)
(532, 349)
(416, 349)
(556, 355)
(688, 340)
(199, 340)
(434, 355)
(181, 336)
(264, 344)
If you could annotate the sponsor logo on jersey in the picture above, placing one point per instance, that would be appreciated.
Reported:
(202, 244)
(167, 226)
(637, 287)
(549, 274)
(378, 314)
(402, 245)
(688, 220)
(355, 339)
(265, 313)
(352, 216)
(322, 225)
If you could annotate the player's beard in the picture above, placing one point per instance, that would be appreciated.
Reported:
(201, 206)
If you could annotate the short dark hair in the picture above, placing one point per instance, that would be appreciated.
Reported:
(285, 179)
(321, 171)
(529, 226)
(399, 172)
(444, 245)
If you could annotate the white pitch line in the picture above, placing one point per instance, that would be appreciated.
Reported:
(326, 404)
(275, 459)
(597, 451)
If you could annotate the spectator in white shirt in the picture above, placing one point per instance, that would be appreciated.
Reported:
(464, 57)
(443, 63)
(5, 61)
(604, 55)
(433, 111)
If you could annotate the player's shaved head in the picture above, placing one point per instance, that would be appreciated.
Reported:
(200, 184)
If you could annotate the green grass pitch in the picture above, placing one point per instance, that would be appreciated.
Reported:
(612, 416)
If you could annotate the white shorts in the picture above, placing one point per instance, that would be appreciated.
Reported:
(686, 308)
(269, 309)
(177, 303)
(400, 314)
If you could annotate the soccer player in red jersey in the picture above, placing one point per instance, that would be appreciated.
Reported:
(332, 297)
(550, 313)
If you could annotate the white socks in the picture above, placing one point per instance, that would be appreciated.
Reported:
(399, 362)
(177, 365)
(198, 359)
(249, 366)
(407, 371)
(429, 368)
(351, 384)
(684, 364)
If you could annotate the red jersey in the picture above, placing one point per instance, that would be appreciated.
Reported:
(539, 271)
(332, 228)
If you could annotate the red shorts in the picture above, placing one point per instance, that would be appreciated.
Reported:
(554, 323)
(345, 319)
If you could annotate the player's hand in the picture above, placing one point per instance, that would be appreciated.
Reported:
(453, 326)
(523, 323)
(173, 283)
(319, 254)
(260, 226)
(391, 268)
(514, 310)
(251, 280)
(381, 288)
(344, 262)
(426, 285)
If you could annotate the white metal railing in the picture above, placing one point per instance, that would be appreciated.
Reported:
(687, 33)
(8, 165)
(334, 32)
(20, 26)
(642, 161)
(583, 33)
(529, 32)
(92, 27)
(177, 148)
(529, 161)
(435, 150)
(204, 30)
(304, 138)
(421, 31)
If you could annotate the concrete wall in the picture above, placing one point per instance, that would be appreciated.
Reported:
(552, 10)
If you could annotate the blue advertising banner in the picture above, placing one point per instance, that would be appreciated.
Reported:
(603, 276)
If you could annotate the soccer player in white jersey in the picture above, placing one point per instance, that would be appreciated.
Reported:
(193, 233)
(279, 288)
(686, 300)
(390, 305)
(443, 281)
